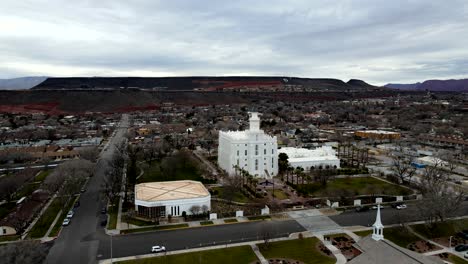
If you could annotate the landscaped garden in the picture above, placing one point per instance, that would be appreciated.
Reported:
(306, 250)
(230, 194)
(154, 228)
(180, 166)
(353, 187)
(234, 255)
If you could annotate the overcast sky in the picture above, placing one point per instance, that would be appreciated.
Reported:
(377, 41)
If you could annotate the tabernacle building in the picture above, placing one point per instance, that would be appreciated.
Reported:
(161, 199)
(323, 157)
(252, 150)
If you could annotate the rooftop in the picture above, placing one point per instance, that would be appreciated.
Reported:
(170, 190)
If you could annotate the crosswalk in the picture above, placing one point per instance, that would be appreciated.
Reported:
(313, 220)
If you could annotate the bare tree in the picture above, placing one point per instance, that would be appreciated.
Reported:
(440, 199)
(195, 209)
(403, 168)
(24, 252)
(89, 153)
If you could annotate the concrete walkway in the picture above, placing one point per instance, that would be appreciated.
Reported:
(340, 258)
(258, 254)
(52, 226)
(25, 233)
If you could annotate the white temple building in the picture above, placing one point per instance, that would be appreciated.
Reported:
(251, 150)
(311, 158)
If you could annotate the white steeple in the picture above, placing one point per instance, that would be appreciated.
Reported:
(254, 122)
(377, 227)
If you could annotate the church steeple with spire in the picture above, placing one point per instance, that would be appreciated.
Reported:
(377, 227)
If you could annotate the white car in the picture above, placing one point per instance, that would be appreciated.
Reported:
(401, 206)
(466, 255)
(70, 214)
(158, 249)
(66, 222)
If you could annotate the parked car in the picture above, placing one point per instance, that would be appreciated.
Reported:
(362, 209)
(103, 210)
(158, 249)
(394, 205)
(401, 206)
(66, 222)
(466, 255)
(103, 221)
(70, 214)
(461, 248)
(463, 234)
(77, 204)
(83, 190)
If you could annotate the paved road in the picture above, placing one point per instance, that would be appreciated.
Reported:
(137, 244)
(390, 216)
(77, 243)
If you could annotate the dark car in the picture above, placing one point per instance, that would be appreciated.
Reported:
(394, 205)
(103, 221)
(463, 234)
(461, 248)
(362, 209)
(103, 210)
(77, 204)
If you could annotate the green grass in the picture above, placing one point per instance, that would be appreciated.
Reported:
(27, 189)
(280, 194)
(234, 255)
(258, 217)
(42, 175)
(113, 212)
(154, 228)
(456, 260)
(44, 222)
(232, 220)
(236, 196)
(448, 228)
(6, 208)
(204, 223)
(9, 238)
(354, 186)
(400, 236)
(305, 250)
(138, 222)
(58, 225)
(363, 233)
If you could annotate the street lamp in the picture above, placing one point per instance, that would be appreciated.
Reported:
(450, 243)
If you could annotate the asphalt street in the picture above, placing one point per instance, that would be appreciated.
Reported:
(389, 216)
(137, 244)
(77, 242)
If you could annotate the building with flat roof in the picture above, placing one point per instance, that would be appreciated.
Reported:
(377, 134)
(311, 158)
(252, 150)
(160, 199)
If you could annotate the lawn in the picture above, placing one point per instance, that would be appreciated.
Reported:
(154, 228)
(27, 189)
(46, 219)
(258, 217)
(363, 233)
(42, 175)
(113, 212)
(58, 225)
(232, 195)
(232, 220)
(9, 238)
(234, 255)
(305, 250)
(400, 236)
(456, 260)
(445, 229)
(280, 194)
(138, 222)
(355, 186)
(204, 223)
(6, 208)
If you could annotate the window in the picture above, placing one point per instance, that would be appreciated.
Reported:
(272, 163)
(245, 152)
(237, 162)
(256, 150)
(264, 151)
(272, 151)
(256, 164)
(238, 153)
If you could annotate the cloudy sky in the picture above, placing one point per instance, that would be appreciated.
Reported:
(377, 41)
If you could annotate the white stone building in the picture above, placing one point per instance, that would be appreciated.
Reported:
(251, 150)
(160, 199)
(307, 158)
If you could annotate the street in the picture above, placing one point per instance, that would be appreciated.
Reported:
(77, 242)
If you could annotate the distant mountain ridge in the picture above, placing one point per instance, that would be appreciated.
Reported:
(21, 83)
(433, 85)
(205, 83)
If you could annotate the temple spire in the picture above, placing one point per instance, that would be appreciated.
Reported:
(254, 121)
(377, 227)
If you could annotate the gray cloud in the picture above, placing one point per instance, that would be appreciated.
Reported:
(375, 40)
